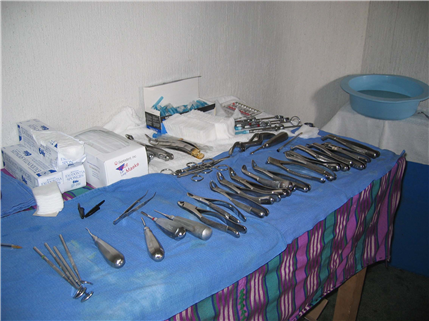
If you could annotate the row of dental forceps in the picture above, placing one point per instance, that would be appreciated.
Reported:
(334, 157)
(325, 160)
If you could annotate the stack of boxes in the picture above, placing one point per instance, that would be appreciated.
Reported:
(38, 162)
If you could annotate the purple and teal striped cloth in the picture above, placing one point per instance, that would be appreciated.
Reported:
(356, 235)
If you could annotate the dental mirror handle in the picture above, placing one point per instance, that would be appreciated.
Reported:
(154, 248)
(115, 258)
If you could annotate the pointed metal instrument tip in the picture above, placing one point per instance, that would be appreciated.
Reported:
(166, 215)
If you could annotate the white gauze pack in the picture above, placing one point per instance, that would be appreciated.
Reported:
(54, 147)
(200, 127)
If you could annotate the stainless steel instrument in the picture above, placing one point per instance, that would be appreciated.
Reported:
(277, 139)
(197, 229)
(256, 139)
(348, 153)
(241, 202)
(283, 179)
(154, 248)
(289, 141)
(153, 151)
(317, 160)
(266, 198)
(115, 258)
(194, 168)
(314, 168)
(177, 144)
(72, 260)
(259, 188)
(275, 184)
(80, 290)
(213, 204)
(169, 227)
(355, 146)
(198, 212)
(133, 208)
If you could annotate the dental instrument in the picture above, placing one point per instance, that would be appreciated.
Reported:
(154, 248)
(113, 257)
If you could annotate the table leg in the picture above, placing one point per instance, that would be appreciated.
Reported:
(348, 298)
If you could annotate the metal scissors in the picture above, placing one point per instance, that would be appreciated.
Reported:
(132, 208)
(198, 212)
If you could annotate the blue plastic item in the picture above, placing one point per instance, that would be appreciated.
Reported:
(385, 96)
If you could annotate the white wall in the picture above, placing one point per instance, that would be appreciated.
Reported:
(74, 65)
(397, 40)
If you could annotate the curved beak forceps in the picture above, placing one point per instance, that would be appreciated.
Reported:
(213, 204)
(198, 212)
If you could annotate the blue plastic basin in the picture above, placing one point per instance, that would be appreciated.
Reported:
(385, 96)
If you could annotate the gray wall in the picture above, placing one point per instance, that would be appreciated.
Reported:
(397, 40)
(75, 65)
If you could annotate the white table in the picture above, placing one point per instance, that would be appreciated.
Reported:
(411, 134)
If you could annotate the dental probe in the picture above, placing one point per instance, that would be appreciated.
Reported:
(197, 229)
(154, 248)
(170, 228)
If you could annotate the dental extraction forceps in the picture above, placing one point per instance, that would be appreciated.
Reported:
(355, 146)
(282, 178)
(177, 144)
(153, 151)
(198, 212)
(342, 159)
(259, 188)
(241, 202)
(348, 153)
(328, 175)
(244, 192)
(132, 208)
(212, 203)
(276, 184)
(317, 158)
(344, 163)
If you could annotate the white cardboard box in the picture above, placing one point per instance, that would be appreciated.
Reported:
(177, 93)
(53, 147)
(33, 172)
(111, 157)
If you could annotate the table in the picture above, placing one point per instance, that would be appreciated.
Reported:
(310, 244)
(410, 250)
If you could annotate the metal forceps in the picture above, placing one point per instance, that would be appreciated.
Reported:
(198, 212)
(213, 204)
(133, 208)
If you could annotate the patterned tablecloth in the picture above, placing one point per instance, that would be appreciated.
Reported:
(308, 245)
(354, 236)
